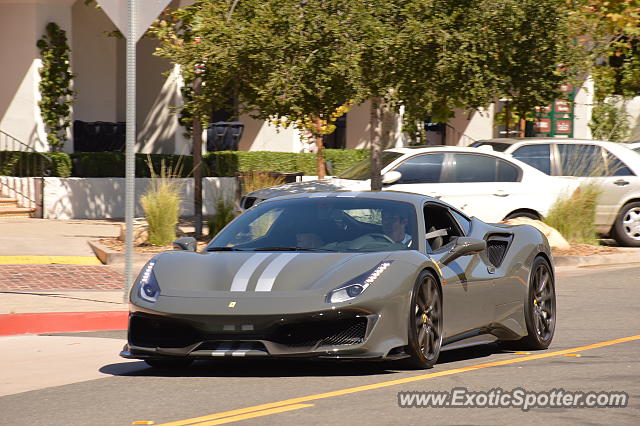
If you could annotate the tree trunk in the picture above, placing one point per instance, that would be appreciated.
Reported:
(197, 162)
(507, 118)
(319, 147)
(375, 125)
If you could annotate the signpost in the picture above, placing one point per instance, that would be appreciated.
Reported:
(132, 17)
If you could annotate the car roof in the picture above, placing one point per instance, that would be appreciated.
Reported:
(409, 197)
(465, 149)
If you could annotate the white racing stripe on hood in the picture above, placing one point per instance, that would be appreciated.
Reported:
(241, 280)
(268, 277)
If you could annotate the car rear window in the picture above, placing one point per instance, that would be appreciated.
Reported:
(537, 156)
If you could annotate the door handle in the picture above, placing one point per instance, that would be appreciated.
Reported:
(621, 182)
(501, 193)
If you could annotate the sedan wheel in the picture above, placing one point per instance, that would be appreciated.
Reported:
(540, 307)
(627, 226)
(425, 322)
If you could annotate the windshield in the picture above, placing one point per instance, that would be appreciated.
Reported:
(339, 223)
(362, 170)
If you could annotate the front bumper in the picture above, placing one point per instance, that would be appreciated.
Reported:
(350, 333)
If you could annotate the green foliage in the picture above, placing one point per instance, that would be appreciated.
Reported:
(161, 204)
(26, 164)
(610, 121)
(112, 164)
(222, 216)
(55, 85)
(252, 181)
(574, 216)
(230, 163)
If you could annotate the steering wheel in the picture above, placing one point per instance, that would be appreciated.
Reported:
(379, 236)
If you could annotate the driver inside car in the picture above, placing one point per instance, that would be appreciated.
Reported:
(394, 226)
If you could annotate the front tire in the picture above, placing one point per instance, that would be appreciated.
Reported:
(626, 230)
(539, 308)
(425, 322)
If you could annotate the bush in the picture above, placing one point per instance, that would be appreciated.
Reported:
(27, 164)
(161, 204)
(112, 164)
(252, 181)
(230, 163)
(222, 216)
(574, 216)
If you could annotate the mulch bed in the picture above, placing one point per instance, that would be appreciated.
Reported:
(117, 245)
(586, 250)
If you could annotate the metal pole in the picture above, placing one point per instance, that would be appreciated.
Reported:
(130, 146)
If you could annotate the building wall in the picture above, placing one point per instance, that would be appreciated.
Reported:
(582, 110)
(22, 24)
(469, 126)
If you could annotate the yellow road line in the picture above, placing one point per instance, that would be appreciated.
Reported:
(255, 414)
(302, 399)
(49, 260)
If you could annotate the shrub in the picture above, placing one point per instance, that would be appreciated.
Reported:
(26, 164)
(222, 216)
(161, 204)
(573, 216)
(252, 181)
(112, 164)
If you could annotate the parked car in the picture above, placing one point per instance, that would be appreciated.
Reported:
(497, 144)
(488, 185)
(612, 165)
(345, 276)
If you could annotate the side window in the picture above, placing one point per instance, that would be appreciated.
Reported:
(463, 221)
(615, 167)
(507, 172)
(473, 168)
(421, 169)
(581, 160)
(537, 156)
(442, 229)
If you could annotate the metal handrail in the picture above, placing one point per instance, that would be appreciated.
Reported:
(29, 168)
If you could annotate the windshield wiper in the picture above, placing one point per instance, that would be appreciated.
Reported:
(289, 249)
(224, 249)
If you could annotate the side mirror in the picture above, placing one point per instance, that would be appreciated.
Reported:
(464, 246)
(186, 243)
(391, 177)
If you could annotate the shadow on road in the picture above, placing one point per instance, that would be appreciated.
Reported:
(292, 367)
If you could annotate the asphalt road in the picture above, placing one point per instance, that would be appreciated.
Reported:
(90, 385)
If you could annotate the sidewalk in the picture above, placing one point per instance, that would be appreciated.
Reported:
(51, 280)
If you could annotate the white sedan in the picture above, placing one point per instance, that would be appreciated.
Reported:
(488, 185)
(611, 165)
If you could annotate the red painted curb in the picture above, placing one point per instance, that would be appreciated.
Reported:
(60, 322)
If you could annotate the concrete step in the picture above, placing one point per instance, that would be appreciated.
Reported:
(6, 212)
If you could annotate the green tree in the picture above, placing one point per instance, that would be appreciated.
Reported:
(55, 85)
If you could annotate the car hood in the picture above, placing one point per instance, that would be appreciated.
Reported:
(218, 274)
(324, 185)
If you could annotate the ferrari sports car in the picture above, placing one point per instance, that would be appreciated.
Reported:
(346, 275)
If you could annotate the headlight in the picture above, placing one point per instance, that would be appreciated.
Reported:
(149, 288)
(358, 285)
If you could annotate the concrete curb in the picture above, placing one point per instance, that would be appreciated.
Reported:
(631, 256)
(62, 322)
(109, 257)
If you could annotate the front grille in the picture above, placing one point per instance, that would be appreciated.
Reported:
(352, 335)
(160, 332)
(153, 331)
